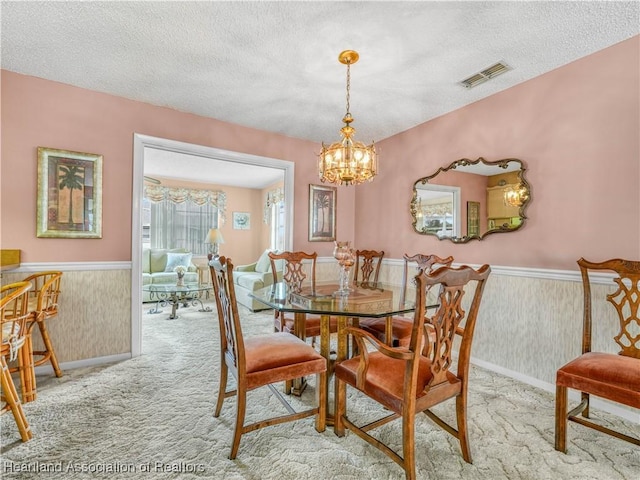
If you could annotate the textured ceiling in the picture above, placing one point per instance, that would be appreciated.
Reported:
(273, 65)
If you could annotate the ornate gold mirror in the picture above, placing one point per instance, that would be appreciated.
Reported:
(471, 199)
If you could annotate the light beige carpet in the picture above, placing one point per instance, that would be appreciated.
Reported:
(152, 417)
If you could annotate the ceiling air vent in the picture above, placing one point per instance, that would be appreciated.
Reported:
(486, 74)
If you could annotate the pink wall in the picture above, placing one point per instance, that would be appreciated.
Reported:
(38, 112)
(577, 129)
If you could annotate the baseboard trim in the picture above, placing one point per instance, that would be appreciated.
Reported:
(595, 402)
(87, 362)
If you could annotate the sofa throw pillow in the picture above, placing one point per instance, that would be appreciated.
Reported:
(264, 262)
(177, 259)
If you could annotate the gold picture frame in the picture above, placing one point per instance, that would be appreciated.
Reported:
(69, 194)
(473, 219)
(322, 213)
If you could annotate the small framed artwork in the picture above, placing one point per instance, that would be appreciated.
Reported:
(473, 219)
(322, 213)
(69, 201)
(241, 221)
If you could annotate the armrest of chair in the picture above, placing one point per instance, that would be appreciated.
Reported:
(246, 268)
(267, 278)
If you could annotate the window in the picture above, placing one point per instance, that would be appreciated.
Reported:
(182, 225)
(277, 226)
(180, 218)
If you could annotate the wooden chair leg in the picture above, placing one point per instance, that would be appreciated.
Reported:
(222, 387)
(241, 398)
(561, 419)
(321, 399)
(408, 446)
(585, 398)
(49, 352)
(27, 372)
(463, 431)
(340, 408)
(13, 402)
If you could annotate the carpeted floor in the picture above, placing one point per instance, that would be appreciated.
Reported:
(152, 417)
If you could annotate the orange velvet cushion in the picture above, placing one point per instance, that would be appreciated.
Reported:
(400, 329)
(607, 375)
(385, 378)
(312, 325)
(279, 356)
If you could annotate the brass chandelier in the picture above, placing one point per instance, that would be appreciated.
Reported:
(515, 195)
(347, 162)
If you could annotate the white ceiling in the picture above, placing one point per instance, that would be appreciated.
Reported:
(273, 65)
(160, 164)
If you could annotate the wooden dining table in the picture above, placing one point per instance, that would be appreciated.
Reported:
(364, 300)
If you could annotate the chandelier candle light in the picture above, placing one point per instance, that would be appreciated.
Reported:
(348, 162)
(515, 196)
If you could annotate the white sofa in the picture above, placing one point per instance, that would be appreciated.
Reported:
(252, 277)
(155, 269)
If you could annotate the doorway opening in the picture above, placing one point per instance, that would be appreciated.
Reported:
(143, 146)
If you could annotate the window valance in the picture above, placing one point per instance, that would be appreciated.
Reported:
(437, 209)
(157, 193)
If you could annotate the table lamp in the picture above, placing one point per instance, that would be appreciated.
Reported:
(214, 238)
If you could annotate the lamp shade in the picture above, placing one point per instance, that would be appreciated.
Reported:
(214, 236)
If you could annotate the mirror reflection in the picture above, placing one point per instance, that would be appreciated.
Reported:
(470, 199)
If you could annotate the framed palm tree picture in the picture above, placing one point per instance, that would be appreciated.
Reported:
(69, 194)
(322, 213)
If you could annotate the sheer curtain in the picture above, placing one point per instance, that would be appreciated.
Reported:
(274, 216)
(181, 218)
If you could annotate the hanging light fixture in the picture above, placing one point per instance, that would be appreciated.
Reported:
(515, 195)
(347, 162)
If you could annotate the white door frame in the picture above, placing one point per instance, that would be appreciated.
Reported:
(140, 142)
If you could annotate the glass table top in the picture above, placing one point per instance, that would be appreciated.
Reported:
(364, 300)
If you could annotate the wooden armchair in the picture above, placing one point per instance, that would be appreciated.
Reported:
(401, 327)
(14, 315)
(615, 377)
(260, 361)
(411, 380)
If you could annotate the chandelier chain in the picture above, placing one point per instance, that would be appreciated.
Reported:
(348, 85)
(347, 161)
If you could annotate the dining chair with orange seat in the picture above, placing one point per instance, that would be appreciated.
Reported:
(368, 263)
(14, 315)
(261, 360)
(401, 327)
(413, 379)
(614, 377)
(298, 269)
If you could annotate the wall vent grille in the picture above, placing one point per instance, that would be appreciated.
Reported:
(485, 75)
